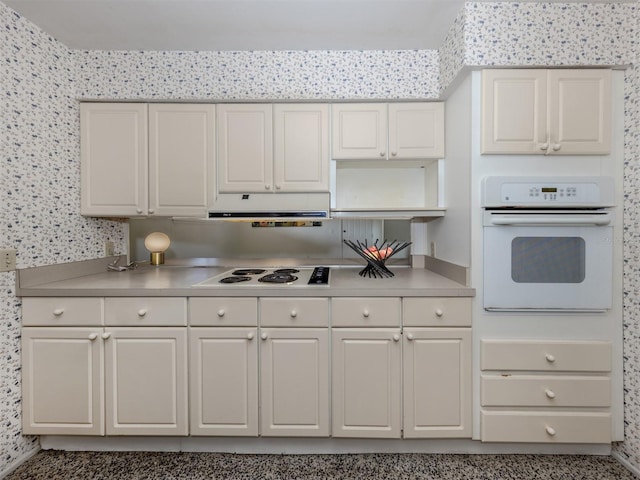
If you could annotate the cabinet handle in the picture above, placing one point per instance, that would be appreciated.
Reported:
(106, 335)
(410, 337)
(382, 154)
(93, 336)
(365, 314)
(151, 211)
(294, 314)
(544, 147)
(250, 336)
(58, 312)
(550, 393)
(264, 336)
(393, 154)
(556, 147)
(550, 431)
(550, 358)
(142, 312)
(396, 337)
(278, 187)
(221, 313)
(267, 187)
(439, 312)
(138, 210)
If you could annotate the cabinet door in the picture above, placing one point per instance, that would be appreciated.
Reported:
(62, 382)
(294, 382)
(366, 382)
(579, 111)
(146, 381)
(245, 148)
(224, 381)
(113, 152)
(301, 158)
(181, 158)
(359, 131)
(416, 130)
(437, 382)
(514, 111)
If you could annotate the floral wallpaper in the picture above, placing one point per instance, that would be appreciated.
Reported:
(41, 81)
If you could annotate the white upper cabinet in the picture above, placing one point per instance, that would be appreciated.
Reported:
(114, 166)
(139, 159)
(181, 158)
(546, 112)
(301, 147)
(368, 131)
(273, 148)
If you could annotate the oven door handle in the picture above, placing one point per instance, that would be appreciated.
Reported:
(598, 219)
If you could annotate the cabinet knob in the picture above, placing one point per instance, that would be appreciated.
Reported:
(93, 336)
(142, 312)
(58, 312)
(221, 313)
(250, 336)
(138, 210)
(382, 154)
(550, 358)
(544, 147)
(556, 147)
(365, 314)
(550, 431)
(396, 337)
(267, 187)
(393, 154)
(264, 336)
(294, 314)
(550, 393)
(106, 335)
(278, 187)
(410, 337)
(151, 211)
(439, 312)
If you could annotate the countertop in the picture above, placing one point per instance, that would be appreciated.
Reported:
(91, 279)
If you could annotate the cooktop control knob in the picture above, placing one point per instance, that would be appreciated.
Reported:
(320, 276)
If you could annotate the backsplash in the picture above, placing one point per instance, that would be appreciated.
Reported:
(41, 80)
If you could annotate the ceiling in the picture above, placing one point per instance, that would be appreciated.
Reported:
(219, 25)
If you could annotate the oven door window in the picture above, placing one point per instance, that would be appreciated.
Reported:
(548, 260)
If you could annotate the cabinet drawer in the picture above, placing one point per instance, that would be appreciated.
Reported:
(365, 312)
(291, 312)
(540, 391)
(551, 427)
(584, 356)
(436, 312)
(142, 311)
(223, 311)
(63, 311)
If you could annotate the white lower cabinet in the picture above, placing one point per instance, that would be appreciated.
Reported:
(545, 391)
(294, 382)
(437, 382)
(224, 381)
(367, 380)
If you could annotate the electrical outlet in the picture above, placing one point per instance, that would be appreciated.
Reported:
(432, 249)
(7, 259)
(109, 248)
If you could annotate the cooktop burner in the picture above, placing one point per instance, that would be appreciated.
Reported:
(270, 277)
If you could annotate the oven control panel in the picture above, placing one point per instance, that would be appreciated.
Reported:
(319, 276)
(547, 191)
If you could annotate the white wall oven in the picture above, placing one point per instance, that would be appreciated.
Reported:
(548, 243)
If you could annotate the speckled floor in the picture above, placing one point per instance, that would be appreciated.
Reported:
(195, 466)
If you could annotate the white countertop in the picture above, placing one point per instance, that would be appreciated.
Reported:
(178, 281)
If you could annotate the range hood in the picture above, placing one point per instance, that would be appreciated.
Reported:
(270, 206)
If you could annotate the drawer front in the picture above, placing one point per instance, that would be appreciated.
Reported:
(64, 311)
(223, 311)
(292, 312)
(587, 356)
(144, 311)
(436, 312)
(545, 391)
(365, 312)
(552, 427)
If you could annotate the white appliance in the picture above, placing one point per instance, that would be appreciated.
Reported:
(548, 243)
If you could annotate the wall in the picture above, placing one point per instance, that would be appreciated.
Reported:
(40, 80)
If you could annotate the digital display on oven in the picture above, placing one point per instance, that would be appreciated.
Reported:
(549, 190)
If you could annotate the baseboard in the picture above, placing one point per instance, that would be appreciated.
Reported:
(626, 463)
(19, 461)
